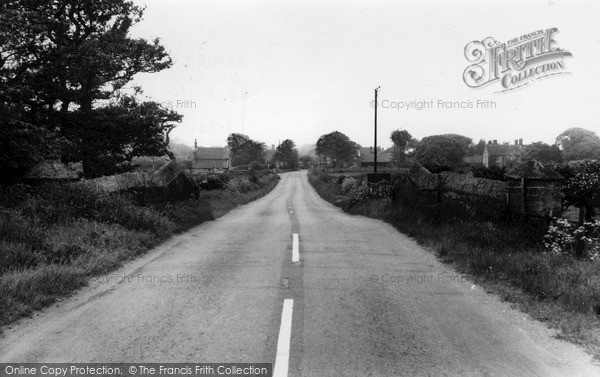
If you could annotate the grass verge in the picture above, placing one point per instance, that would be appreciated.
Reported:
(559, 290)
(54, 238)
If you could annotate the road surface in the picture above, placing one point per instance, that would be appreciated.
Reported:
(363, 300)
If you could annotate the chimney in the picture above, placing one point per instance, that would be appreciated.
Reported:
(516, 142)
(521, 142)
(195, 143)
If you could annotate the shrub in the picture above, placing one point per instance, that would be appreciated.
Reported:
(188, 213)
(361, 190)
(565, 238)
(493, 172)
(349, 184)
(239, 184)
(212, 182)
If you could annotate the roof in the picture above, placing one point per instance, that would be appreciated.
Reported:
(534, 170)
(503, 149)
(51, 169)
(215, 153)
(211, 158)
(367, 156)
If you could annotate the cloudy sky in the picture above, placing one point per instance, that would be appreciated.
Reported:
(278, 70)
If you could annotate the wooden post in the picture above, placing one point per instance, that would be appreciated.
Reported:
(375, 135)
(581, 215)
(524, 196)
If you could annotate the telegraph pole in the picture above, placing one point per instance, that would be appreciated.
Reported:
(375, 148)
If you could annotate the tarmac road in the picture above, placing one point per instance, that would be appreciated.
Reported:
(367, 301)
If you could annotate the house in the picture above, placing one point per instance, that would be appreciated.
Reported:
(215, 159)
(366, 158)
(502, 155)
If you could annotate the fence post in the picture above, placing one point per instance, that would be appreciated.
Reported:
(524, 196)
(581, 215)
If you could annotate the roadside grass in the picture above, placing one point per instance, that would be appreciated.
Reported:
(223, 201)
(54, 238)
(508, 260)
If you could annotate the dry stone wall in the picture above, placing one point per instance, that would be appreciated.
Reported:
(167, 183)
(458, 195)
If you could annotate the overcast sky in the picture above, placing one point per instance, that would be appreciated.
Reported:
(297, 70)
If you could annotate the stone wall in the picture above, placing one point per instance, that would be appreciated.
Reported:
(542, 198)
(465, 196)
(458, 195)
(167, 183)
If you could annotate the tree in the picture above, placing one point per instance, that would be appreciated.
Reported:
(338, 147)
(244, 150)
(442, 150)
(80, 50)
(579, 144)
(306, 160)
(62, 61)
(543, 152)
(235, 141)
(118, 132)
(581, 187)
(287, 154)
(403, 141)
(253, 151)
(477, 149)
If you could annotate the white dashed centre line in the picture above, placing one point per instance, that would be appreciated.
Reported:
(282, 360)
(295, 248)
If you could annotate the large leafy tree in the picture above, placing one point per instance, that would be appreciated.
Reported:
(337, 147)
(244, 150)
(118, 132)
(442, 150)
(235, 142)
(63, 63)
(579, 144)
(253, 151)
(306, 160)
(543, 152)
(477, 149)
(287, 154)
(403, 142)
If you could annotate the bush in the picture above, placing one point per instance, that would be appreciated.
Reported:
(494, 172)
(349, 184)
(565, 238)
(212, 181)
(239, 184)
(187, 213)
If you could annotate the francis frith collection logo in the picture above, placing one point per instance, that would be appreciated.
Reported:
(515, 63)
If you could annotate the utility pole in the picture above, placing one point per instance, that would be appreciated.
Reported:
(375, 148)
